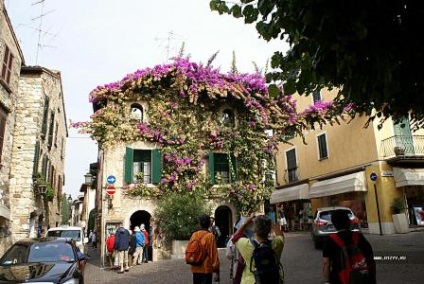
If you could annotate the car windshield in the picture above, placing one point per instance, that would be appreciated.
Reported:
(73, 234)
(326, 215)
(39, 252)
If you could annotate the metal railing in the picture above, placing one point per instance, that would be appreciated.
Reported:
(404, 145)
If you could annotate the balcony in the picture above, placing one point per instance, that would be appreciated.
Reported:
(403, 148)
(291, 175)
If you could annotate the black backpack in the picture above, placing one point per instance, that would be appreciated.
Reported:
(268, 269)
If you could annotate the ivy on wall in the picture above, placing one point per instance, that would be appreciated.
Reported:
(184, 118)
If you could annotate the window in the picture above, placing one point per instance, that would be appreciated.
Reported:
(316, 96)
(291, 165)
(147, 162)
(45, 115)
(3, 121)
(227, 118)
(51, 130)
(36, 159)
(322, 146)
(136, 113)
(6, 71)
(219, 166)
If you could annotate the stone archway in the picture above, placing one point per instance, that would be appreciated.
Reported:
(224, 220)
(142, 217)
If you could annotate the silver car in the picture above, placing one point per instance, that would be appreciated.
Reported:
(322, 226)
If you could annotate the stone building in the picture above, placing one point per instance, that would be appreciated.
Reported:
(38, 155)
(12, 59)
(33, 135)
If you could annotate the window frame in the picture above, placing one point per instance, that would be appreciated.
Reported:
(212, 167)
(155, 167)
(322, 146)
(292, 175)
(7, 65)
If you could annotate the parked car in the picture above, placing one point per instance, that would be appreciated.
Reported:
(43, 260)
(322, 226)
(75, 233)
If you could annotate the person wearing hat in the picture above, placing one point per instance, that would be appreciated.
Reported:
(146, 244)
(139, 243)
(121, 245)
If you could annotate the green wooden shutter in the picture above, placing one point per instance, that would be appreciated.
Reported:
(45, 115)
(212, 167)
(129, 157)
(157, 166)
(36, 159)
(234, 169)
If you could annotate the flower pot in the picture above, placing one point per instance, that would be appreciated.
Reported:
(401, 223)
(399, 151)
(178, 249)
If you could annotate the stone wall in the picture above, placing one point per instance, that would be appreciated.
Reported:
(28, 208)
(8, 93)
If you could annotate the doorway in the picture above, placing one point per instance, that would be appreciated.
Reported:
(142, 217)
(224, 220)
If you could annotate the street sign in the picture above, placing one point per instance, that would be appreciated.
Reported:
(110, 190)
(373, 176)
(111, 179)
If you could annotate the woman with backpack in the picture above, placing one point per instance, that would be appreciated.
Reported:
(261, 255)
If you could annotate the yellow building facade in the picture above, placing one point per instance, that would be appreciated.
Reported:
(349, 164)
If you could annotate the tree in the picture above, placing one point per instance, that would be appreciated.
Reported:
(66, 208)
(370, 50)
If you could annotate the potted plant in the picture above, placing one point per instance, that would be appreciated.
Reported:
(399, 150)
(176, 215)
(399, 217)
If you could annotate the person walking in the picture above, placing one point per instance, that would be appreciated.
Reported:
(214, 229)
(94, 240)
(331, 255)
(271, 214)
(131, 249)
(146, 244)
(209, 268)
(122, 241)
(283, 220)
(139, 243)
(110, 243)
(263, 227)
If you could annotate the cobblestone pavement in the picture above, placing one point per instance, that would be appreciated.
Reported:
(302, 263)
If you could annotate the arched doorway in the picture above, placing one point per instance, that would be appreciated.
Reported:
(224, 220)
(142, 217)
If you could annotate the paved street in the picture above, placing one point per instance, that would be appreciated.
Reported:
(300, 260)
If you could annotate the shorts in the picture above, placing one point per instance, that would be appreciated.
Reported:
(283, 221)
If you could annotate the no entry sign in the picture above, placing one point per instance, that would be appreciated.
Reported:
(110, 190)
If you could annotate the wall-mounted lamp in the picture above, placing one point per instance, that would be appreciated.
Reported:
(88, 178)
(42, 189)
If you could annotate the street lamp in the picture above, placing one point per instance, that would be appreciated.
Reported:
(88, 178)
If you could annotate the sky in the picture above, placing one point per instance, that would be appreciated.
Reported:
(95, 42)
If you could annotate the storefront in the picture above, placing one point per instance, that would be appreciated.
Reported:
(412, 182)
(347, 190)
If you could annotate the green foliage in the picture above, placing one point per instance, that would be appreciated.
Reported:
(398, 206)
(177, 214)
(65, 209)
(49, 193)
(369, 51)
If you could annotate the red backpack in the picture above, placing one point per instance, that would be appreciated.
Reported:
(195, 253)
(354, 264)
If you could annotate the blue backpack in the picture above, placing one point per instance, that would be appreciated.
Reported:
(268, 269)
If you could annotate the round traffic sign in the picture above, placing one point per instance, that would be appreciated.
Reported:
(110, 190)
(373, 176)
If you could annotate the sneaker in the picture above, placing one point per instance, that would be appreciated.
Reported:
(120, 271)
(126, 270)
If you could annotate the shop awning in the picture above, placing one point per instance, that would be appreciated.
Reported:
(296, 192)
(4, 212)
(407, 177)
(342, 184)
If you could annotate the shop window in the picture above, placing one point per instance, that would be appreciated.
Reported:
(143, 166)
(322, 146)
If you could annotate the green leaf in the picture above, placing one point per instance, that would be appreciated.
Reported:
(236, 11)
(273, 91)
(250, 14)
